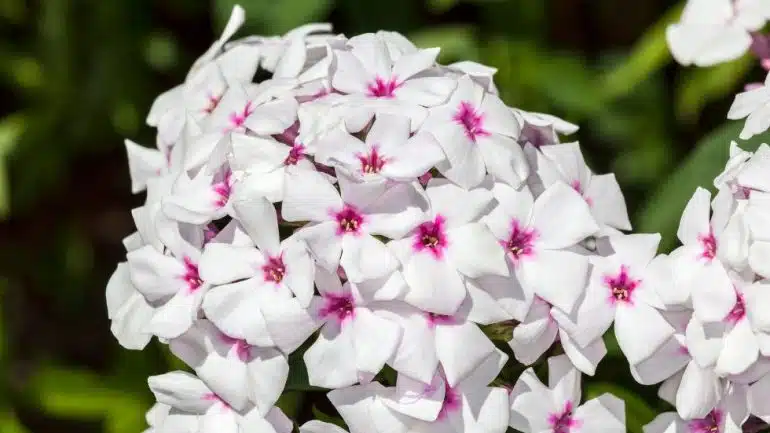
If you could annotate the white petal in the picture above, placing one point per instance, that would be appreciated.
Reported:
(558, 277)
(268, 371)
(483, 409)
(418, 155)
(640, 330)
(608, 204)
(465, 164)
(224, 263)
(256, 154)
(416, 353)
(375, 340)
(605, 413)
(714, 295)
(413, 63)
(129, 324)
(759, 258)
(475, 252)
(695, 218)
(587, 358)
(425, 91)
(180, 390)
(664, 363)
(323, 243)
(300, 271)
(309, 197)
(635, 250)
(331, 360)
(457, 205)
(740, 349)
(417, 399)
(290, 324)
(434, 285)
(350, 77)
(260, 221)
(154, 274)
(534, 336)
(555, 206)
(143, 163)
(461, 348)
(504, 159)
(698, 393)
(177, 315)
(316, 426)
(362, 410)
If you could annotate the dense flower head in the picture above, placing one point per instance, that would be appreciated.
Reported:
(377, 212)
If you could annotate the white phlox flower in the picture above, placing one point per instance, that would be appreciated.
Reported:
(715, 31)
(556, 408)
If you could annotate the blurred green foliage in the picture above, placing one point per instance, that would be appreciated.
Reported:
(76, 76)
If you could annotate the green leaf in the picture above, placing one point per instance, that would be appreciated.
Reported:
(638, 412)
(321, 416)
(81, 394)
(648, 55)
(9, 423)
(272, 16)
(703, 85)
(456, 41)
(662, 212)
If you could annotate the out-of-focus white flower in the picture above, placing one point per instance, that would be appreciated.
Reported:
(715, 31)
(754, 106)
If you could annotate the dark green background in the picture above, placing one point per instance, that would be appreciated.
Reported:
(77, 76)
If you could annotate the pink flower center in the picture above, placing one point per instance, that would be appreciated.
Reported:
(191, 277)
(472, 121)
(439, 319)
(223, 189)
(213, 101)
(238, 118)
(520, 242)
(709, 246)
(242, 348)
(340, 307)
(373, 162)
(431, 236)
(382, 88)
(739, 310)
(274, 270)
(349, 220)
(709, 424)
(621, 286)
(563, 422)
(452, 401)
(296, 153)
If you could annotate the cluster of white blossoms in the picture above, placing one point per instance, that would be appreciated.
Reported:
(373, 210)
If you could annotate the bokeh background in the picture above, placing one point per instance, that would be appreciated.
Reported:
(78, 76)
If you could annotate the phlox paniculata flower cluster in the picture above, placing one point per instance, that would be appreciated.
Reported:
(369, 210)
